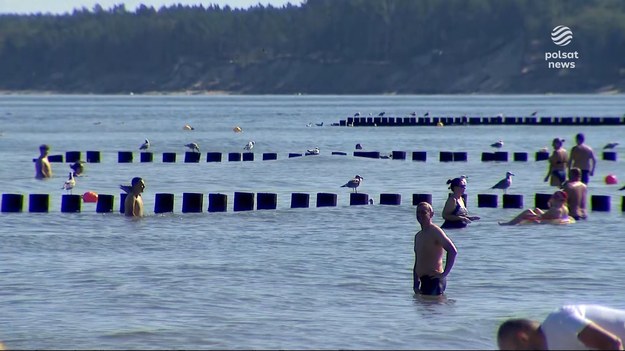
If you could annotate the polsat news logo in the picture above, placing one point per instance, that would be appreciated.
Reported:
(561, 36)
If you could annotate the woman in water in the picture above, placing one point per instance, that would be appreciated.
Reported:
(455, 212)
(558, 210)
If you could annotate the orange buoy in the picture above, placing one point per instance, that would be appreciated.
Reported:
(90, 196)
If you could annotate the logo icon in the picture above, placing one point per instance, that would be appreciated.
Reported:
(561, 35)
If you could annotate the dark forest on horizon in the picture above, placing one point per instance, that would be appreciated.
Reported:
(319, 47)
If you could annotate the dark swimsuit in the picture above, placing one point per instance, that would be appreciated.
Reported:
(458, 211)
(560, 174)
(431, 286)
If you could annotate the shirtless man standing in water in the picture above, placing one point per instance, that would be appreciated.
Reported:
(43, 169)
(133, 205)
(581, 156)
(429, 277)
(577, 192)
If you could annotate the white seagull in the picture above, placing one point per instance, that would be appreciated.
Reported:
(314, 151)
(610, 146)
(145, 145)
(505, 183)
(250, 145)
(193, 146)
(498, 144)
(353, 183)
(70, 183)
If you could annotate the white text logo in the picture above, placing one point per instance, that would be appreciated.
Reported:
(561, 36)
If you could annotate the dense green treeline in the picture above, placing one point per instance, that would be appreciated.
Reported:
(181, 47)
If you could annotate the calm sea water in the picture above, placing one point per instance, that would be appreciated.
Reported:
(288, 278)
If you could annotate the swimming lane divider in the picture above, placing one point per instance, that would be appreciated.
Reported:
(300, 200)
(192, 202)
(105, 203)
(72, 156)
(163, 203)
(512, 201)
(326, 200)
(70, 203)
(267, 201)
(12, 203)
(124, 157)
(487, 200)
(609, 156)
(419, 156)
(520, 157)
(234, 156)
(93, 156)
(358, 199)
(38, 203)
(267, 156)
(217, 202)
(542, 155)
(169, 157)
(390, 199)
(243, 201)
(542, 200)
(247, 156)
(192, 157)
(146, 157)
(600, 203)
(418, 198)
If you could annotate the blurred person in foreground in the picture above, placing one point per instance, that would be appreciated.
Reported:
(571, 327)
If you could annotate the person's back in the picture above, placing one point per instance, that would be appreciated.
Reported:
(563, 329)
(577, 193)
(583, 157)
(571, 327)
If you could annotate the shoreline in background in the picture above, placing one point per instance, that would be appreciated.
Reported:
(223, 92)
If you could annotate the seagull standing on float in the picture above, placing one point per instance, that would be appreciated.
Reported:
(193, 146)
(353, 183)
(145, 145)
(505, 183)
(70, 183)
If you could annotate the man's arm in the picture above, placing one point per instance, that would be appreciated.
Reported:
(583, 199)
(451, 252)
(594, 162)
(598, 338)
